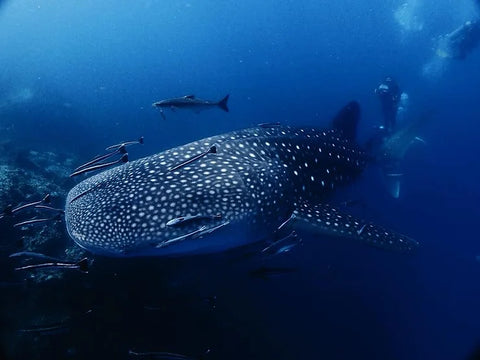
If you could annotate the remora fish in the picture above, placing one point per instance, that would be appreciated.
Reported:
(254, 176)
(190, 102)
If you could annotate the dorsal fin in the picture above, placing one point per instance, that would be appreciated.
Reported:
(189, 96)
(346, 120)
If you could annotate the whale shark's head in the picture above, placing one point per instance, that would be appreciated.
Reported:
(135, 208)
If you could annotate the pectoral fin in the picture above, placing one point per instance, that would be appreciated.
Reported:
(325, 219)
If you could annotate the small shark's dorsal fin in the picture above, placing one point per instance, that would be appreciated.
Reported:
(325, 219)
(189, 97)
(346, 120)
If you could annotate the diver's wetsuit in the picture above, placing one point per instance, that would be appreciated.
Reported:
(461, 41)
(389, 95)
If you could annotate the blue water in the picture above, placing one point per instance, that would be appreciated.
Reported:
(78, 76)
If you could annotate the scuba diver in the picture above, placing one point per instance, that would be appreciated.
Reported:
(455, 45)
(389, 95)
(460, 42)
(389, 145)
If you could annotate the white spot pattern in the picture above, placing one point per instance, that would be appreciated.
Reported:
(253, 178)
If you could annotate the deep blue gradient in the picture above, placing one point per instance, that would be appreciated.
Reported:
(93, 69)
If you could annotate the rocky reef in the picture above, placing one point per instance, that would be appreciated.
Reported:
(26, 176)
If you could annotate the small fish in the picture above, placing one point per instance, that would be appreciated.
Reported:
(282, 225)
(46, 200)
(283, 245)
(212, 150)
(125, 144)
(46, 207)
(33, 221)
(269, 125)
(190, 102)
(46, 330)
(189, 218)
(212, 229)
(268, 272)
(192, 235)
(34, 254)
(99, 158)
(123, 159)
(81, 265)
(55, 328)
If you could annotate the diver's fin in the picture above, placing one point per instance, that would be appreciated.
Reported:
(327, 220)
(346, 120)
(393, 183)
(222, 104)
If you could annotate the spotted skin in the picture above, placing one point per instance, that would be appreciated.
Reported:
(328, 220)
(255, 180)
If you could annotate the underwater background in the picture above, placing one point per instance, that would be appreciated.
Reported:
(76, 77)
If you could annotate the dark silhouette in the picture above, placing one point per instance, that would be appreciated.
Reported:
(389, 94)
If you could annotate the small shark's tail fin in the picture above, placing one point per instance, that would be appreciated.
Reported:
(83, 265)
(347, 119)
(222, 104)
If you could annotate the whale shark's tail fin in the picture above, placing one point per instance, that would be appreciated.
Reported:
(347, 119)
(325, 219)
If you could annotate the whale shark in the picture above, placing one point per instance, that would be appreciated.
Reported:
(227, 191)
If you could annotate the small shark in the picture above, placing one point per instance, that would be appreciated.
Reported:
(239, 194)
(190, 102)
